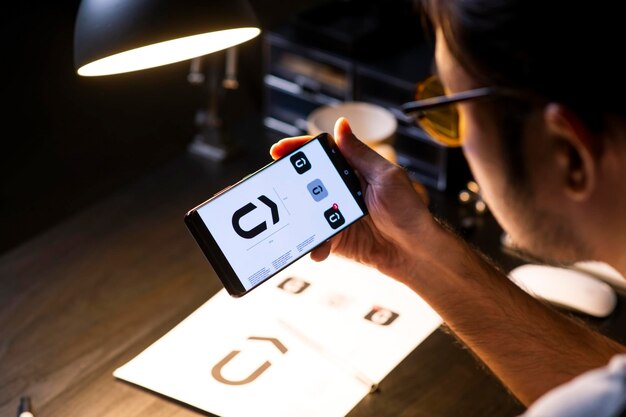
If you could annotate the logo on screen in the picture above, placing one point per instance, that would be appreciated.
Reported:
(334, 217)
(300, 162)
(317, 189)
(259, 228)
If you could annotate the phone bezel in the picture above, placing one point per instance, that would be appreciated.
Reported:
(214, 253)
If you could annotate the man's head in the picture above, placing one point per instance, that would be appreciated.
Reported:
(551, 161)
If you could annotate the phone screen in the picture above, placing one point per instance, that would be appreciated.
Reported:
(275, 216)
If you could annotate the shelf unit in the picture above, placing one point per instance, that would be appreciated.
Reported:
(299, 77)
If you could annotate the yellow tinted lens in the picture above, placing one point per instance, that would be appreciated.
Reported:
(441, 123)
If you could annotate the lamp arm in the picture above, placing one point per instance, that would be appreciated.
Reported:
(196, 75)
(230, 81)
(213, 140)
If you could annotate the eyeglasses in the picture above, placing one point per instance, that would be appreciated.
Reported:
(437, 113)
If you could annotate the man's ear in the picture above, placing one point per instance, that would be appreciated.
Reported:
(575, 151)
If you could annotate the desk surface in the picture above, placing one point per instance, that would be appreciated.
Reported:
(90, 294)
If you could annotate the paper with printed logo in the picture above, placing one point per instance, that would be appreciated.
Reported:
(312, 341)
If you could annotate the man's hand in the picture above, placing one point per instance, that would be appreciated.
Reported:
(398, 217)
(529, 346)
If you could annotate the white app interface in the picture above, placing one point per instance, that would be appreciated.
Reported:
(273, 218)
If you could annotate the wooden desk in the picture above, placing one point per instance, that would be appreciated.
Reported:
(87, 296)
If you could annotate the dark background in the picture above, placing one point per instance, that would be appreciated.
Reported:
(69, 141)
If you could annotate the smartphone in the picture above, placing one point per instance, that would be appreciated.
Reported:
(271, 218)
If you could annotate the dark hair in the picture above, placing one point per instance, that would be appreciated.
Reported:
(565, 51)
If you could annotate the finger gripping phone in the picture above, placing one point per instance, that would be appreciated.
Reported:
(260, 225)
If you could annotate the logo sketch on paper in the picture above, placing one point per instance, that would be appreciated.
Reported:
(381, 316)
(294, 285)
(216, 372)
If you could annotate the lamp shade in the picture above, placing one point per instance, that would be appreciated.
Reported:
(116, 36)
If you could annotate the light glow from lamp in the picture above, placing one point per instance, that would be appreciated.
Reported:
(168, 52)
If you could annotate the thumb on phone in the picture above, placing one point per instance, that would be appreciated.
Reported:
(369, 163)
(285, 146)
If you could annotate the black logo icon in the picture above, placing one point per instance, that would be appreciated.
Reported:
(259, 228)
(334, 217)
(216, 372)
(382, 316)
(317, 189)
(300, 162)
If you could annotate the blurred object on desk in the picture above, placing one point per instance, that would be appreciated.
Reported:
(471, 197)
(603, 272)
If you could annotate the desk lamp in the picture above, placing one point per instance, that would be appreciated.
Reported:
(118, 36)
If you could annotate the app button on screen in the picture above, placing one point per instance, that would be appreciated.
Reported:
(317, 189)
(334, 217)
(300, 162)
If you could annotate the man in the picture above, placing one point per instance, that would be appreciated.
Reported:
(543, 128)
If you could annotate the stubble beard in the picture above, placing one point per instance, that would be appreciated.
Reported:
(541, 235)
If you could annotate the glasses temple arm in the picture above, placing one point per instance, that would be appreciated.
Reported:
(451, 99)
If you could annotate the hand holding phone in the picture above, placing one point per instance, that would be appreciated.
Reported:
(271, 218)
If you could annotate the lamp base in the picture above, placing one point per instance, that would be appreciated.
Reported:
(213, 143)
(199, 147)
